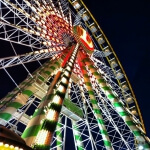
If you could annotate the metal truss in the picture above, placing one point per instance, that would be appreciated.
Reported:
(28, 24)
(26, 58)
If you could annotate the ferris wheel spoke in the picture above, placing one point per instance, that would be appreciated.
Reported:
(45, 23)
(30, 30)
(117, 91)
(7, 33)
(116, 127)
(63, 11)
(27, 58)
(20, 16)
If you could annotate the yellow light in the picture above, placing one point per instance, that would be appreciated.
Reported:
(1, 144)
(6, 145)
(16, 148)
(36, 52)
(46, 50)
(85, 38)
(11, 146)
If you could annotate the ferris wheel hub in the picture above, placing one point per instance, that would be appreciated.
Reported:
(83, 37)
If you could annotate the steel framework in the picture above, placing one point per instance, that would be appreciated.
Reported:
(78, 96)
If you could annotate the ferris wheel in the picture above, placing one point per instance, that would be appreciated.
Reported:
(65, 87)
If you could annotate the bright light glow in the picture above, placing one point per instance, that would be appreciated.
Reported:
(6, 145)
(1, 143)
(71, 60)
(52, 115)
(41, 137)
(64, 80)
(66, 73)
(70, 63)
(61, 88)
(68, 68)
(86, 39)
(46, 50)
(11, 146)
(76, 5)
(140, 147)
(57, 100)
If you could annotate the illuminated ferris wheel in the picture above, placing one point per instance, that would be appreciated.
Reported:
(70, 90)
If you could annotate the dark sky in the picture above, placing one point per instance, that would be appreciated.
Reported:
(127, 26)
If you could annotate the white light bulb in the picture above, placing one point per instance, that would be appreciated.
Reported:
(140, 147)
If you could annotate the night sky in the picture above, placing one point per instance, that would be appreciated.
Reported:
(127, 26)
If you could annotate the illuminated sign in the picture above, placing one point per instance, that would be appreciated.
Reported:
(84, 38)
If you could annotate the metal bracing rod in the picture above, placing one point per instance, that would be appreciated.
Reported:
(13, 6)
(121, 100)
(98, 88)
(86, 115)
(109, 117)
(26, 58)
(24, 111)
(76, 147)
(21, 61)
(27, 135)
(36, 58)
(103, 68)
(20, 41)
(17, 61)
(27, 33)
(93, 127)
(53, 111)
(16, 96)
(64, 139)
(65, 6)
(17, 28)
(116, 88)
(61, 7)
(11, 78)
(115, 102)
(70, 18)
(97, 112)
(77, 135)
(59, 142)
(28, 30)
(46, 8)
(106, 74)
